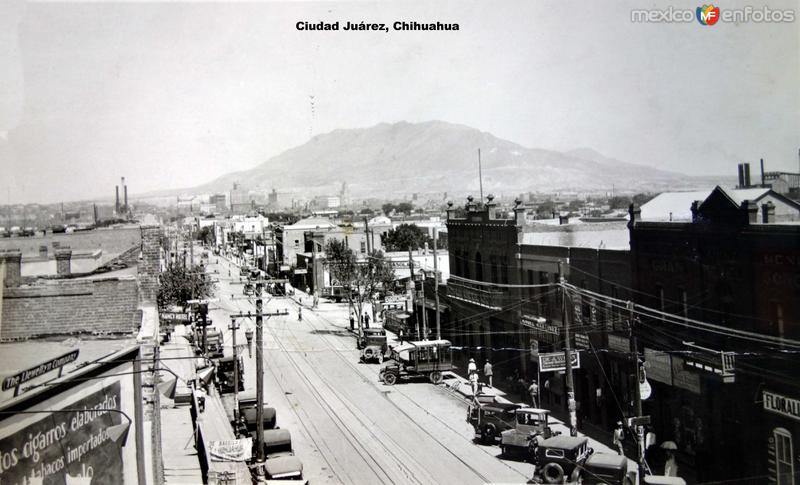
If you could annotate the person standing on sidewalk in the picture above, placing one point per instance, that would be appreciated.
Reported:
(472, 366)
(533, 390)
(352, 321)
(619, 435)
(299, 313)
(366, 320)
(473, 381)
(487, 371)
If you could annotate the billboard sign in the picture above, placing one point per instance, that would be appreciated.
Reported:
(555, 361)
(64, 438)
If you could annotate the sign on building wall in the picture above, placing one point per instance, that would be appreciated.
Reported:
(658, 365)
(556, 361)
(69, 441)
(785, 406)
(683, 378)
(582, 341)
(618, 343)
(43, 368)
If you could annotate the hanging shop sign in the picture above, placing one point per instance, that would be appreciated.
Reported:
(582, 341)
(618, 344)
(555, 361)
(658, 365)
(539, 323)
(785, 406)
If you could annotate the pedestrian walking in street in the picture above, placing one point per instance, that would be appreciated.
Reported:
(352, 321)
(619, 435)
(533, 390)
(472, 366)
(487, 371)
(400, 335)
(299, 313)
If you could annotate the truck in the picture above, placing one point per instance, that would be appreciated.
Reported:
(530, 426)
(490, 419)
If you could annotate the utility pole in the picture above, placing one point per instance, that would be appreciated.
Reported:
(259, 382)
(436, 286)
(234, 327)
(573, 418)
(366, 235)
(424, 309)
(259, 374)
(480, 173)
(158, 464)
(413, 291)
(637, 393)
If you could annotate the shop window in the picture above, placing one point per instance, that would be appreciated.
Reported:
(784, 465)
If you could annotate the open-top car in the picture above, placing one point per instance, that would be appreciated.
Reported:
(560, 457)
(491, 418)
(424, 358)
(530, 425)
(281, 464)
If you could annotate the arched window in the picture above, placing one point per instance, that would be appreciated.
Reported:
(784, 457)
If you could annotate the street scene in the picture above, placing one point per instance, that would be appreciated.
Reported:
(419, 242)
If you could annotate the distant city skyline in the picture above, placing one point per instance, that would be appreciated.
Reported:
(174, 95)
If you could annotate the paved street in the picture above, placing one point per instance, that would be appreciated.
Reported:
(346, 426)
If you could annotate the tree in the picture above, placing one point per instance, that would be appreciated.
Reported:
(179, 284)
(205, 234)
(619, 202)
(404, 207)
(360, 279)
(640, 199)
(405, 236)
(387, 208)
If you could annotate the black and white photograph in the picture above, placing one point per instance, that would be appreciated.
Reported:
(361, 242)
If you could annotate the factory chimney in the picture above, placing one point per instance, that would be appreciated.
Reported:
(116, 205)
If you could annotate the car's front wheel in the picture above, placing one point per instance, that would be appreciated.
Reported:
(390, 378)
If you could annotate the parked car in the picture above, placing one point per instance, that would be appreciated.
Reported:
(281, 464)
(489, 419)
(373, 345)
(425, 358)
(560, 457)
(214, 343)
(529, 425)
(248, 420)
(607, 469)
(225, 373)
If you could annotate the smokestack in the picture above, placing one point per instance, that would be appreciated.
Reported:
(747, 175)
(126, 198)
(762, 172)
(741, 175)
(94, 206)
(116, 206)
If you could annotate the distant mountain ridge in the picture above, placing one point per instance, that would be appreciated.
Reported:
(391, 160)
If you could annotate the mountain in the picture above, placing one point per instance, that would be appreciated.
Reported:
(389, 160)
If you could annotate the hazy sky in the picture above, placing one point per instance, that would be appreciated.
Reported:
(173, 95)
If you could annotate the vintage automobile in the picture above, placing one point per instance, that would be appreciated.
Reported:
(213, 343)
(335, 293)
(424, 358)
(662, 480)
(560, 457)
(489, 419)
(248, 422)
(225, 374)
(281, 464)
(606, 469)
(530, 426)
(373, 345)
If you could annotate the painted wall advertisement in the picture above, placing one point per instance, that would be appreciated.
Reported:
(71, 446)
